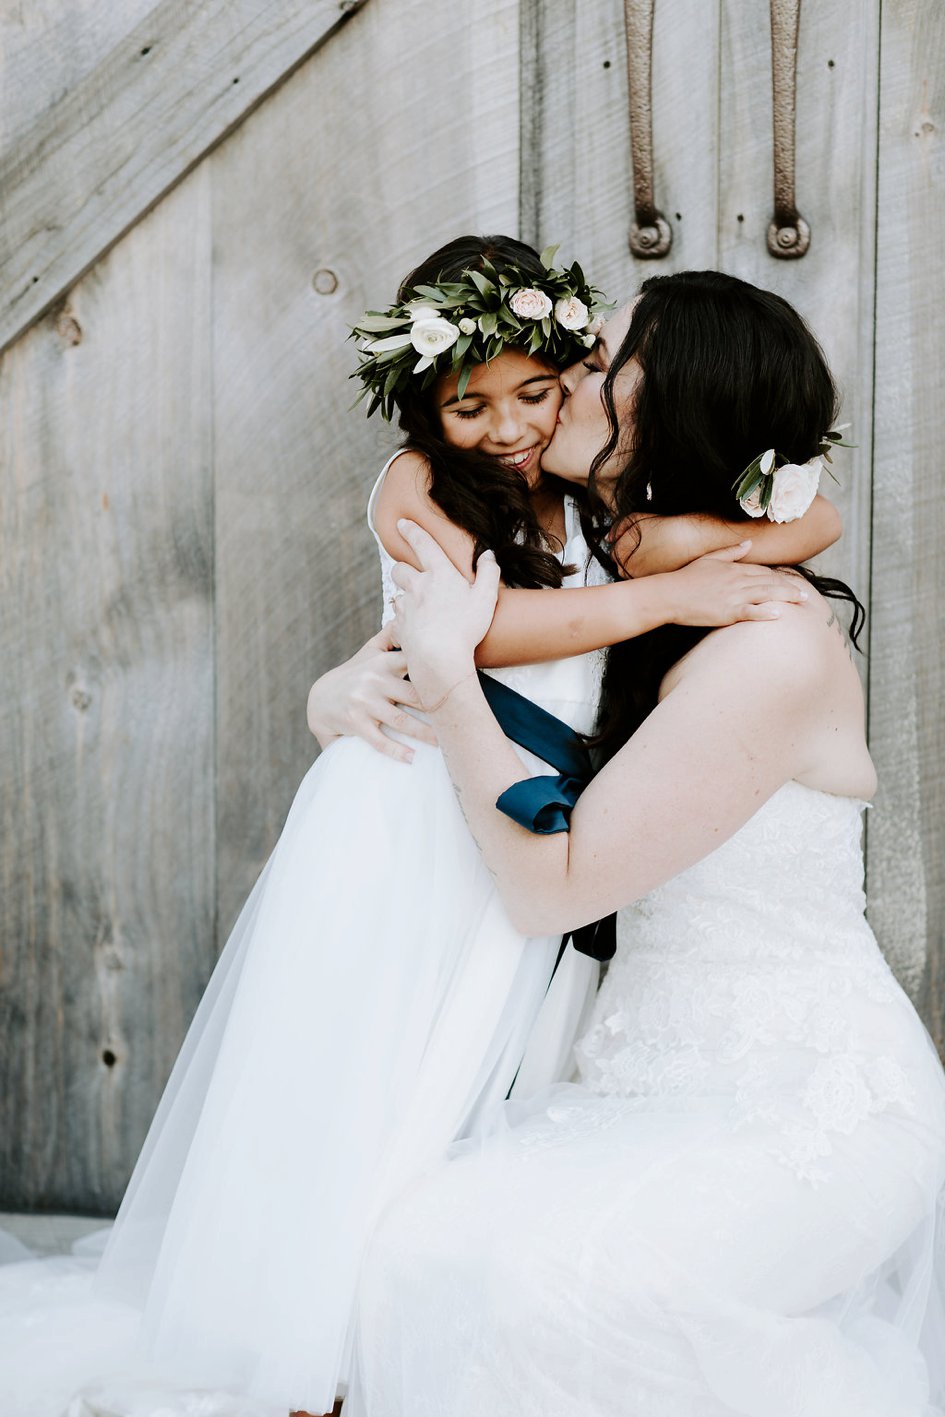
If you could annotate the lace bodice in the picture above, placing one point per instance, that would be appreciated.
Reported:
(568, 688)
(755, 974)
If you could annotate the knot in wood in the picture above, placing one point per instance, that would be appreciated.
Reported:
(68, 328)
(324, 281)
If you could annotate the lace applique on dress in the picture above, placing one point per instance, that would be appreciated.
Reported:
(839, 1092)
(735, 979)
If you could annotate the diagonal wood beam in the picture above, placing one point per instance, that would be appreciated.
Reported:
(111, 148)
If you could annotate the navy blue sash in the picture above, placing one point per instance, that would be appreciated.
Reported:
(544, 804)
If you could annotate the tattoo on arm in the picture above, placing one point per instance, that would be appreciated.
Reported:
(458, 791)
(834, 623)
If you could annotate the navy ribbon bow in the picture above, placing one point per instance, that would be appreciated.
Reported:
(544, 804)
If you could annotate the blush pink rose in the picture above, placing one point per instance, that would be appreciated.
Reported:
(530, 304)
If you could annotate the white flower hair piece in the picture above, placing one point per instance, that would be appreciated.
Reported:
(458, 324)
(781, 490)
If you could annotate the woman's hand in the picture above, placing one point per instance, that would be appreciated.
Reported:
(721, 589)
(368, 692)
(440, 616)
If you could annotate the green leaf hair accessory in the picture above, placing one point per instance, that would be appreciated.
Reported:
(452, 327)
(781, 490)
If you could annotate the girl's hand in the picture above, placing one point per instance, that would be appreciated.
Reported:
(441, 617)
(721, 589)
(368, 692)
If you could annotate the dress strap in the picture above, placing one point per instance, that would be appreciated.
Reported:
(572, 519)
(376, 491)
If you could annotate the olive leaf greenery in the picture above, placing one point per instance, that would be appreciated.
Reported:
(761, 470)
(759, 473)
(389, 360)
(831, 440)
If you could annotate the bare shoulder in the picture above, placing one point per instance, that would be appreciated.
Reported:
(405, 492)
(793, 687)
(803, 651)
(407, 479)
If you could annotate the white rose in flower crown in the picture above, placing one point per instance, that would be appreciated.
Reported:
(795, 487)
(421, 310)
(432, 337)
(530, 304)
(572, 313)
(467, 325)
(596, 325)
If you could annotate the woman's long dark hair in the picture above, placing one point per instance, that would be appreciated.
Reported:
(488, 500)
(728, 370)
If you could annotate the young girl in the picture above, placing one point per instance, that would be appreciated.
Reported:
(374, 998)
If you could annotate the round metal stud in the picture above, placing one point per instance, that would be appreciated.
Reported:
(788, 240)
(651, 240)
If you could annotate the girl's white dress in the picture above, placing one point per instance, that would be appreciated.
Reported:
(372, 1003)
(739, 1208)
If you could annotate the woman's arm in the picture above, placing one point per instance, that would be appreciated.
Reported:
(655, 544)
(736, 725)
(531, 626)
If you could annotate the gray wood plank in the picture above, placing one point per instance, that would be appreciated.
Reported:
(906, 855)
(548, 108)
(47, 48)
(106, 726)
(373, 187)
(113, 144)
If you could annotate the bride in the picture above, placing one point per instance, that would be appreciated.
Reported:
(738, 1209)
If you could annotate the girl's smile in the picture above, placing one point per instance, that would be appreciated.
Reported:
(522, 460)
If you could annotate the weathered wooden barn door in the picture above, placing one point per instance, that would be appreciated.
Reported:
(194, 201)
(870, 183)
(183, 486)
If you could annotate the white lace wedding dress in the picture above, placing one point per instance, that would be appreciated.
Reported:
(372, 1002)
(739, 1208)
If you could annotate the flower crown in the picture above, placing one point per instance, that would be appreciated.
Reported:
(451, 327)
(782, 490)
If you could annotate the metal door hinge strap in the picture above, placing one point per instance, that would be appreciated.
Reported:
(788, 232)
(650, 233)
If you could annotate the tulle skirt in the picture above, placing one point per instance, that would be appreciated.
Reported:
(642, 1257)
(371, 1005)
